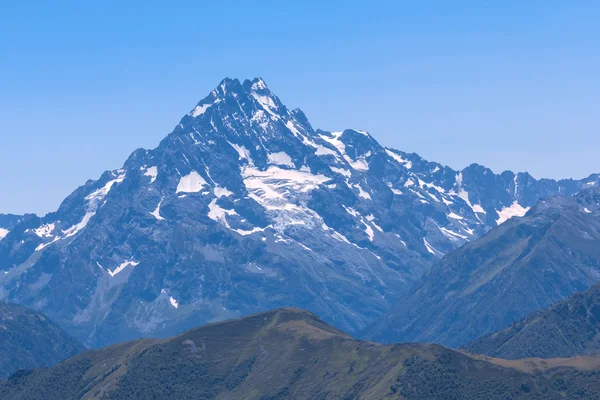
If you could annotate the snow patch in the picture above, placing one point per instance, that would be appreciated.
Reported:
(173, 302)
(3, 233)
(122, 266)
(361, 192)
(455, 216)
(152, 172)
(453, 236)
(359, 164)
(45, 230)
(406, 163)
(242, 152)
(341, 171)
(218, 214)
(191, 183)
(463, 194)
(267, 104)
(201, 109)
(351, 211)
(515, 210)
(82, 224)
(371, 219)
(222, 192)
(280, 158)
(368, 230)
(431, 249)
(156, 213)
(43, 245)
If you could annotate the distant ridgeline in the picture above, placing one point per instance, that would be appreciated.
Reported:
(292, 354)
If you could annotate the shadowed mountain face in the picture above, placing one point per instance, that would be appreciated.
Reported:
(8, 222)
(291, 354)
(569, 328)
(245, 207)
(519, 267)
(29, 340)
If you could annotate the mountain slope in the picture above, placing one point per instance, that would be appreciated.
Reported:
(245, 207)
(519, 267)
(569, 328)
(29, 340)
(8, 222)
(291, 354)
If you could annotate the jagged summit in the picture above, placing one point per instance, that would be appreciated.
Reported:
(245, 207)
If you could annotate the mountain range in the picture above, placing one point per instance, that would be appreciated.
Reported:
(290, 353)
(522, 266)
(245, 207)
(566, 329)
(29, 340)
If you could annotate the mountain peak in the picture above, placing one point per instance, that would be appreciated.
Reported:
(255, 84)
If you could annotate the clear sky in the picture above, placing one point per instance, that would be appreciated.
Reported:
(508, 84)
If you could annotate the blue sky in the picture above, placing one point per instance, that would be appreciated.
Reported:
(508, 84)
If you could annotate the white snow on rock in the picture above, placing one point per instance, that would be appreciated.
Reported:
(242, 151)
(218, 214)
(3, 233)
(191, 183)
(274, 187)
(156, 213)
(454, 216)
(101, 193)
(360, 164)
(45, 230)
(201, 109)
(394, 190)
(79, 226)
(515, 210)
(259, 84)
(122, 266)
(351, 211)
(152, 172)
(463, 194)
(290, 125)
(246, 233)
(173, 302)
(341, 171)
(94, 199)
(222, 192)
(431, 249)
(322, 150)
(267, 104)
(371, 219)
(584, 210)
(43, 245)
(280, 158)
(368, 230)
(478, 209)
(283, 193)
(361, 192)
(406, 163)
(451, 235)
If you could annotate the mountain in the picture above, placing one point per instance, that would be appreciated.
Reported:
(522, 266)
(30, 340)
(245, 207)
(8, 222)
(569, 328)
(291, 354)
